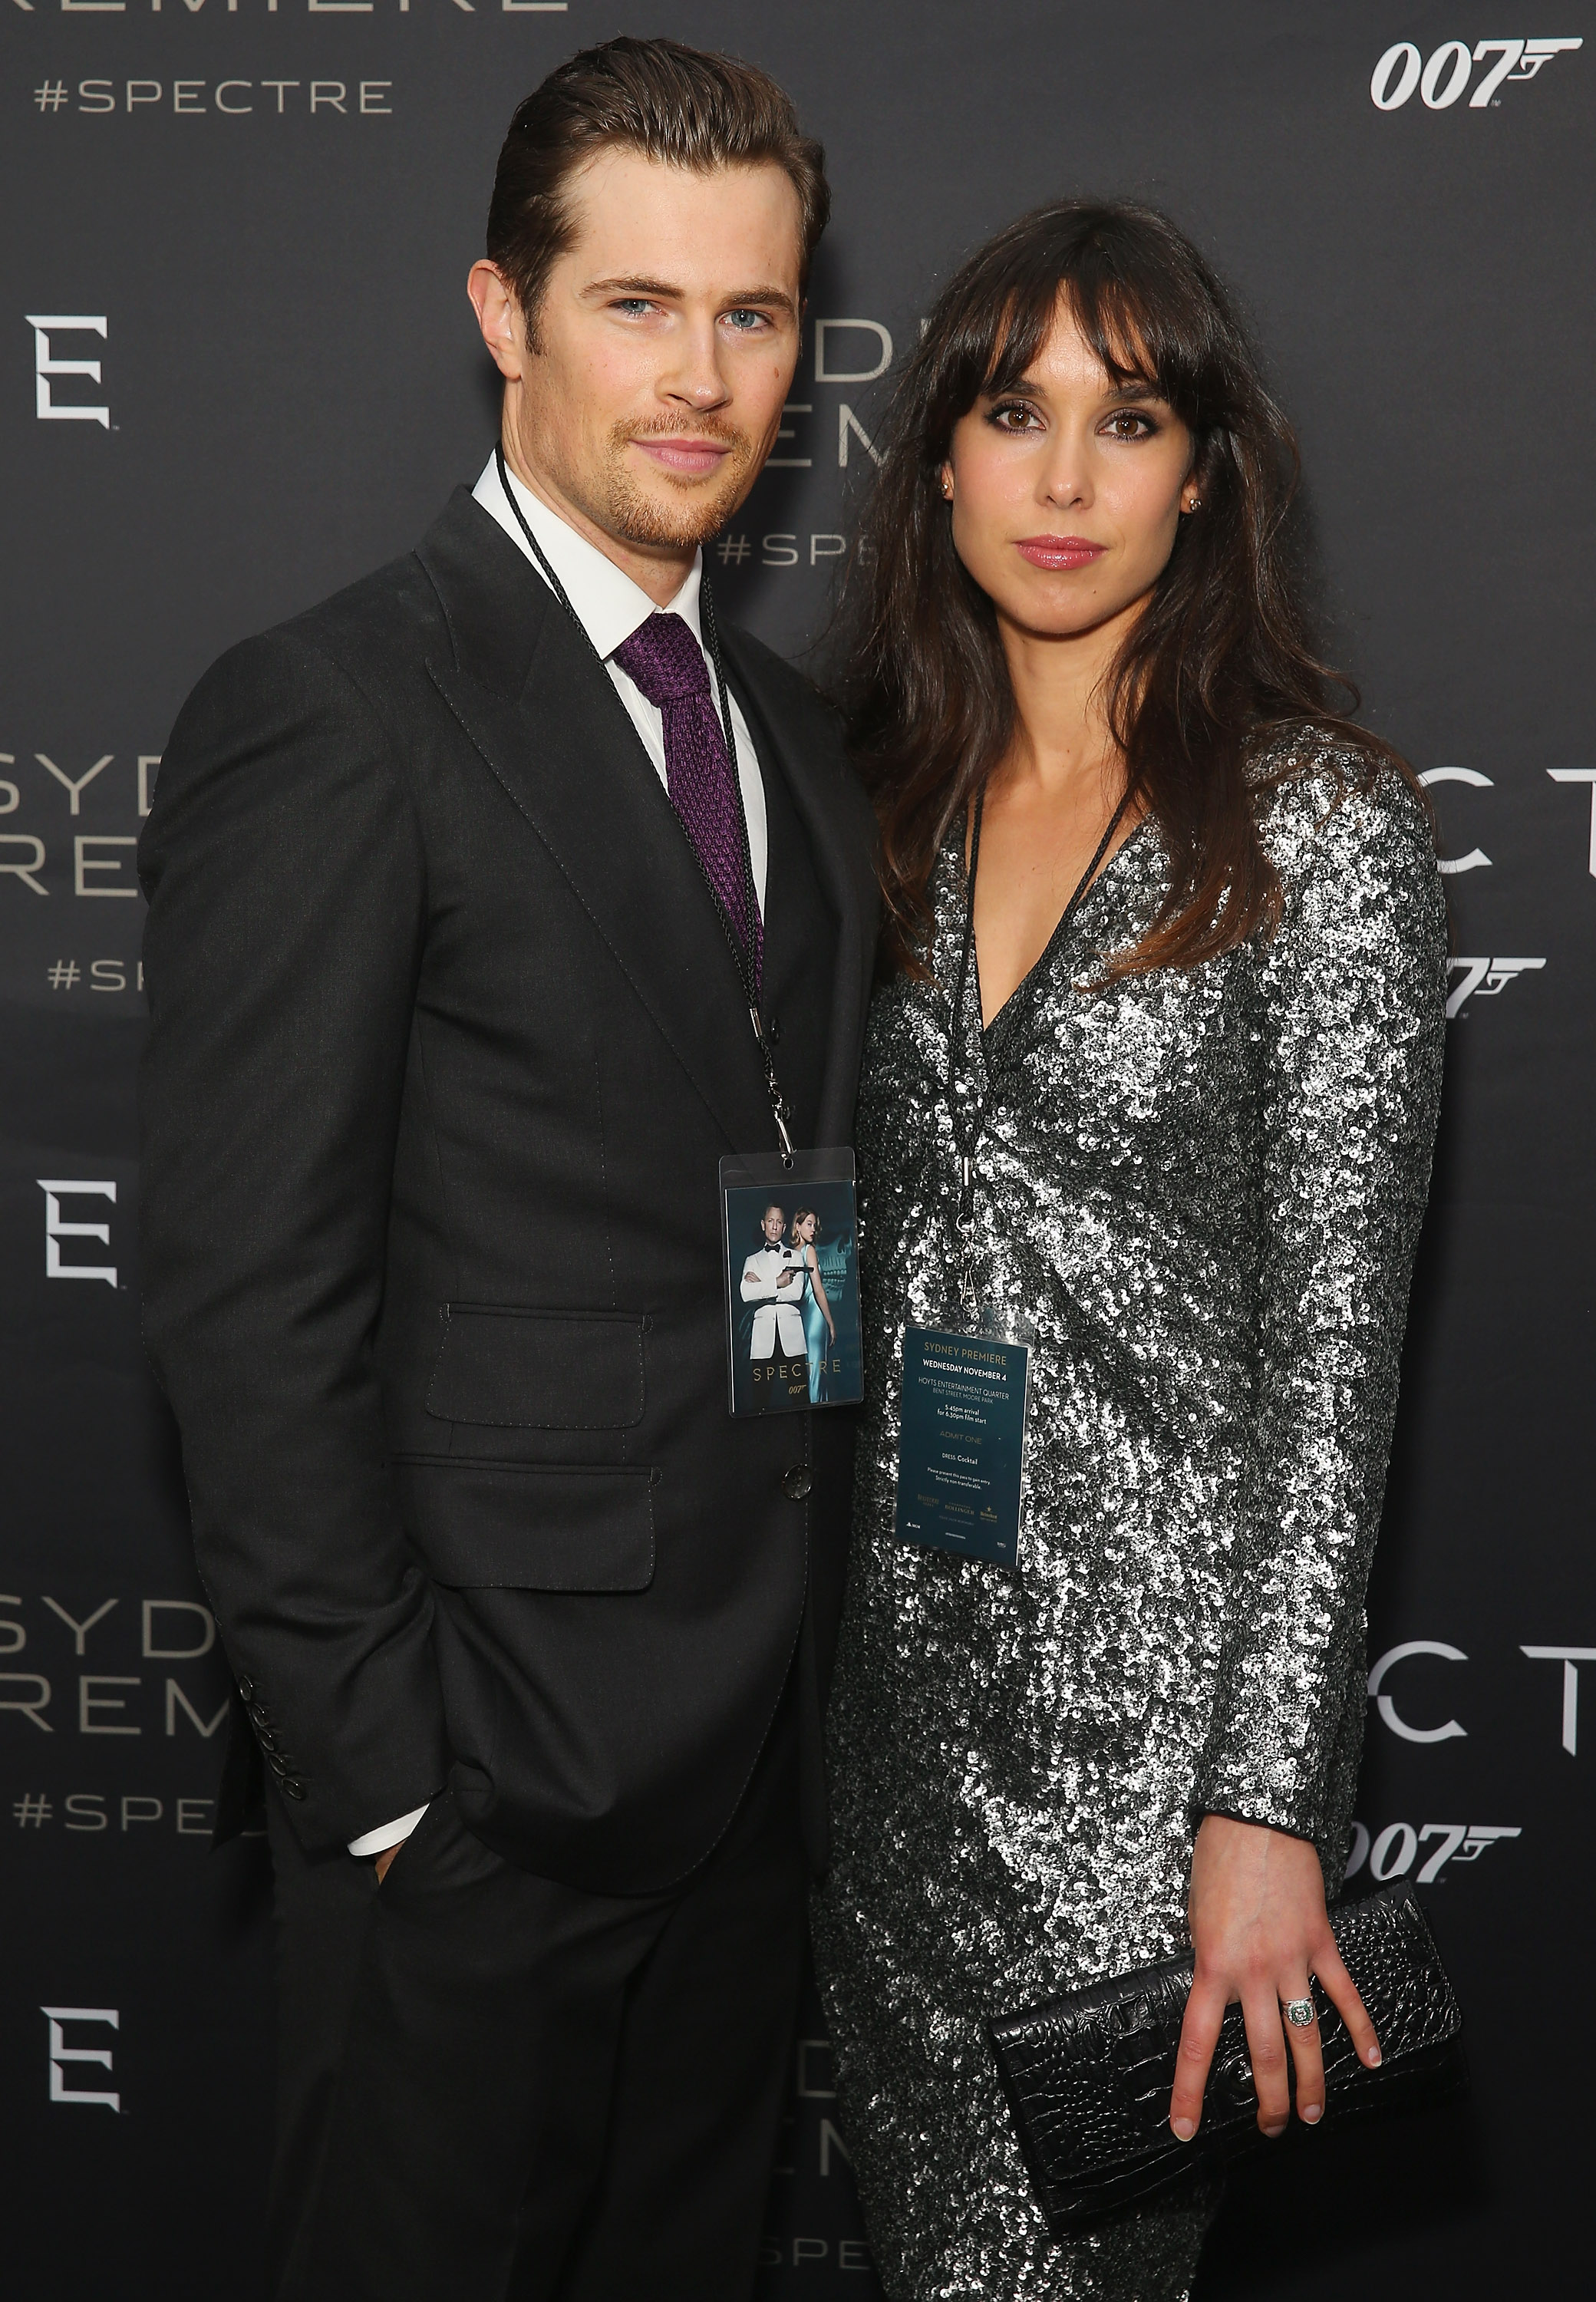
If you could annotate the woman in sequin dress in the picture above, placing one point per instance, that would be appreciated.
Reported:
(1210, 1103)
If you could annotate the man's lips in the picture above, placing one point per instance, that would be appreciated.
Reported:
(1060, 552)
(690, 459)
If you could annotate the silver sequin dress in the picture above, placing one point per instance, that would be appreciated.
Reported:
(1202, 1190)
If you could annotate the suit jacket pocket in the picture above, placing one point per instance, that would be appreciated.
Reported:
(520, 1369)
(524, 1526)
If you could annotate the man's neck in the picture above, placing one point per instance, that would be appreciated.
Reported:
(657, 570)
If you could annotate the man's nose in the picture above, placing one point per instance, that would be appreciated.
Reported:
(697, 378)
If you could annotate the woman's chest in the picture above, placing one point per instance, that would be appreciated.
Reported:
(1157, 1078)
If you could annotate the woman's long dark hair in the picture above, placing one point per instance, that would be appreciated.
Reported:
(1219, 657)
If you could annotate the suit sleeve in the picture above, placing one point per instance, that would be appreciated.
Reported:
(1354, 1024)
(756, 1287)
(284, 869)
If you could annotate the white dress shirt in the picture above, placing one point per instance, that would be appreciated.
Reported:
(612, 607)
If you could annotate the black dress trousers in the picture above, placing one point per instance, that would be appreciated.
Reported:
(493, 2088)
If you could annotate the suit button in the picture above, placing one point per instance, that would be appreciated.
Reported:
(796, 1483)
(246, 1689)
(292, 1787)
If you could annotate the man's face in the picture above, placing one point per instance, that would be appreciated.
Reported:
(775, 1224)
(651, 389)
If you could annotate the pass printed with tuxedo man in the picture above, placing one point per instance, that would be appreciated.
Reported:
(792, 1272)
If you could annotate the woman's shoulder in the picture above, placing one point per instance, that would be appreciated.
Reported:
(1328, 799)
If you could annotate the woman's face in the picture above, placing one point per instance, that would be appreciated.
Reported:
(804, 1230)
(1068, 490)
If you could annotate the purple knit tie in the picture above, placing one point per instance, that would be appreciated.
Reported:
(669, 666)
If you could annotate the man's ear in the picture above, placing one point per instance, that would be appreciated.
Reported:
(498, 316)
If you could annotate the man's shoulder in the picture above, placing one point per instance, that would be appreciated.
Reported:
(379, 631)
(392, 616)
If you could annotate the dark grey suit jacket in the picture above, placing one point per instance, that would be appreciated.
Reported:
(446, 1045)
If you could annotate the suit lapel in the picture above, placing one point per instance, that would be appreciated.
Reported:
(806, 753)
(541, 711)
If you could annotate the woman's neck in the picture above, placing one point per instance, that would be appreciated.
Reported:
(1048, 803)
(1063, 743)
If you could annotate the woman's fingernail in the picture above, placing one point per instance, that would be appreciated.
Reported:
(1184, 2128)
(1274, 2133)
(1313, 2113)
(1373, 2057)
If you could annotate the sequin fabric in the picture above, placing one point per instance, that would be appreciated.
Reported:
(1198, 1195)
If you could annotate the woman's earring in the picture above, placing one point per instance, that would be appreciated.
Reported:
(1196, 504)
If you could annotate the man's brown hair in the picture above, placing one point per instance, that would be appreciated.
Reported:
(682, 106)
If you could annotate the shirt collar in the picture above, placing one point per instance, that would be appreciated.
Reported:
(609, 605)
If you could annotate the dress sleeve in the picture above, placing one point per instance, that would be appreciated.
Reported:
(1353, 1023)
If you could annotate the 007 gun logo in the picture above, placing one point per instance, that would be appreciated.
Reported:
(1484, 977)
(1441, 82)
(1390, 1854)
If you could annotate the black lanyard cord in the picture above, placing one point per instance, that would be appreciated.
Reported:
(966, 1142)
(741, 947)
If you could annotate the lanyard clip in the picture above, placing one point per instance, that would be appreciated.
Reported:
(778, 1102)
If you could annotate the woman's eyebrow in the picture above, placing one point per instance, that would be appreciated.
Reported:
(1134, 388)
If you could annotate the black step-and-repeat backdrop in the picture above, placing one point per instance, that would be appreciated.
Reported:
(237, 368)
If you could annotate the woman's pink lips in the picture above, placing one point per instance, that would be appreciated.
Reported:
(1059, 550)
(691, 456)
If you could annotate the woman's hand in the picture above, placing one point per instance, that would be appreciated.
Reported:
(1259, 1928)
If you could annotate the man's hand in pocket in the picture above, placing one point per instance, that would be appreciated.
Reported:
(385, 1858)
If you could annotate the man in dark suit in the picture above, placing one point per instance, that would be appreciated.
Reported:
(458, 885)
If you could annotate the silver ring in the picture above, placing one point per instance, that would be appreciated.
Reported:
(1298, 2011)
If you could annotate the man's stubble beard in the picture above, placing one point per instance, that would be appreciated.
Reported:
(633, 516)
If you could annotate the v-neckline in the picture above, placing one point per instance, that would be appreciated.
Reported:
(1044, 956)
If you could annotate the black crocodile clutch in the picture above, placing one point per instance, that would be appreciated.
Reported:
(1088, 2077)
